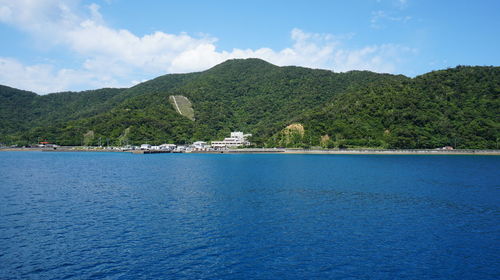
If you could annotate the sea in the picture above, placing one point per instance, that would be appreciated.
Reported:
(91, 215)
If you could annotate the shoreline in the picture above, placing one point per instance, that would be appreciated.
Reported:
(276, 151)
(367, 152)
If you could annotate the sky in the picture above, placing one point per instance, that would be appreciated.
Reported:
(60, 45)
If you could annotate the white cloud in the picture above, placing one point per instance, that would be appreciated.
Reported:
(5, 13)
(44, 78)
(116, 57)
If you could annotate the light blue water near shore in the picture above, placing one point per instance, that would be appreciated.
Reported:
(188, 216)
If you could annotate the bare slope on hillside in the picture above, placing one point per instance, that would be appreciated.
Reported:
(182, 105)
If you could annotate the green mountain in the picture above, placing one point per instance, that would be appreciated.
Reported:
(458, 107)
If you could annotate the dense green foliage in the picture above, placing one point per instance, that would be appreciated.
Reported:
(22, 110)
(457, 107)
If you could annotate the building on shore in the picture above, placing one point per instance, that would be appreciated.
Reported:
(237, 139)
(168, 147)
(200, 146)
(145, 147)
(162, 147)
(181, 148)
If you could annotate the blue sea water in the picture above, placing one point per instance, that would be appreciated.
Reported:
(195, 216)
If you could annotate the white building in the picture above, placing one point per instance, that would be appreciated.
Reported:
(168, 147)
(200, 145)
(145, 147)
(180, 148)
(236, 139)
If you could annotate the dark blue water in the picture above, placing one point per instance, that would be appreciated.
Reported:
(171, 216)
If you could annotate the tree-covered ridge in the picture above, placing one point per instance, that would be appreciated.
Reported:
(15, 109)
(255, 96)
(23, 110)
(457, 107)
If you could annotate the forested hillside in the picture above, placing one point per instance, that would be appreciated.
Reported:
(457, 107)
(22, 110)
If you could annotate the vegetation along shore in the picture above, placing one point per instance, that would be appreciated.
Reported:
(288, 107)
(271, 151)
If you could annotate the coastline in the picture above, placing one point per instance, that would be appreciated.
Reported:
(397, 152)
(278, 151)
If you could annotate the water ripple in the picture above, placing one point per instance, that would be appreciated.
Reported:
(120, 216)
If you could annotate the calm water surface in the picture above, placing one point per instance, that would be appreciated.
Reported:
(171, 216)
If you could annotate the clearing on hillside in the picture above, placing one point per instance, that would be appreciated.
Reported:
(182, 105)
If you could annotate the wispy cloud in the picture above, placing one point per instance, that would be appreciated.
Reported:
(380, 18)
(117, 57)
(402, 4)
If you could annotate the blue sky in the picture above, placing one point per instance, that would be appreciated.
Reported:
(56, 45)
